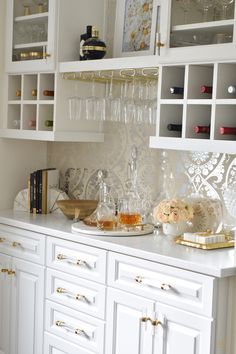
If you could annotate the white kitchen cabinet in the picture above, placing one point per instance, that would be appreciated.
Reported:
(140, 326)
(22, 292)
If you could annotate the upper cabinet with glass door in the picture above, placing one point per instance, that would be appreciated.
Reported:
(30, 43)
(201, 30)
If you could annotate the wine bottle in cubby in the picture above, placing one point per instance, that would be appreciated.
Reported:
(48, 123)
(202, 129)
(34, 92)
(48, 93)
(175, 90)
(205, 89)
(32, 123)
(227, 130)
(83, 38)
(231, 89)
(18, 93)
(174, 127)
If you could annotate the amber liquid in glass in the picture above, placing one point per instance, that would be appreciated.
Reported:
(106, 224)
(129, 219)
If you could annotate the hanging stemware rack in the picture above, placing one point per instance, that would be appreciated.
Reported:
(140, 74)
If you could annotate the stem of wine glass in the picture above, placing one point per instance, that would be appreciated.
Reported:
(93, 88)
(205, 13)
(224, 12)
(185, 16)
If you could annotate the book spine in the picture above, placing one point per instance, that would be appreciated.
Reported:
(40, 192)
(34, 193)
(31, 191)
(44, 191)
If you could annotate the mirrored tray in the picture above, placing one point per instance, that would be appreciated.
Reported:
(80, 227)
(211, 246)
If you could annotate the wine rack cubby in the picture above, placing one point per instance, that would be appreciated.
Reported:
(206, 110)
(28, 107)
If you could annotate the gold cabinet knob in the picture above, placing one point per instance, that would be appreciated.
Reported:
(60, 256)
(11, 272)
(160, 45)
(156, 322)
(60, 290)
(60, 323)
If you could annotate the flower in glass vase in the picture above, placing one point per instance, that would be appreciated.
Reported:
(174, 214)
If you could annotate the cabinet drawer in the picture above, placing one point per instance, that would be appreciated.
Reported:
(55, 345)
(183, 289)
(77, 293)
(76, 259)
(76, 327)
(22, 244)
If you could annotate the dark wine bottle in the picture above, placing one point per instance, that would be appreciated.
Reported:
(202, 129)
(174, 90)
(227, 130)
(48, 93)
(231, 89)
(205, 89)
(94, 48)
(83, 38)
(48, 123)
(174, 127)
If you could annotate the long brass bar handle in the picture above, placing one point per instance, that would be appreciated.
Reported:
(149, 282)
(77, 331)
(76, 296)
(77, 261)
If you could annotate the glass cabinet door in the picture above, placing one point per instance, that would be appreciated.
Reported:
(29, 34)
(201, 22)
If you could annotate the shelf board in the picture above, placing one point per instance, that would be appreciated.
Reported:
(151, 61)
(170, 101)
(214, 26)
(186, 144)
(30, 45)
(33, 17)
(52, 136)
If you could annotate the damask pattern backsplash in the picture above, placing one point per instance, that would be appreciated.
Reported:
(194, 172)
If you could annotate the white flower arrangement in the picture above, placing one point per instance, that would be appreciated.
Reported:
(173, 211)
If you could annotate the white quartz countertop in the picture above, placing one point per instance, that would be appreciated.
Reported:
(157, 248)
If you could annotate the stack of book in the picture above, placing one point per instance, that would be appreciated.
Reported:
(40, 183)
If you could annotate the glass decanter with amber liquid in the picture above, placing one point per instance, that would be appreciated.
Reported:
(129, 208)
(106, 209)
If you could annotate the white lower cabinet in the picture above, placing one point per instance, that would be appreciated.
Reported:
(136, 325)
(55, 345)
(4, 304)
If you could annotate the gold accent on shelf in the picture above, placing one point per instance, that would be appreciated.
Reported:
(211, 246)
(15, 244)
(11, 272)
(4, 270)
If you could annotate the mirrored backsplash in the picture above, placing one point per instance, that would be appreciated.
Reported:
(194, 172)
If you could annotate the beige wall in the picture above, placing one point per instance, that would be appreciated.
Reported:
(17, 158)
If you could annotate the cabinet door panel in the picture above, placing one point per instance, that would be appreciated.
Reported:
(126, 333)
(55, 345)
(27, 308)
(4, 304)
(181, 332)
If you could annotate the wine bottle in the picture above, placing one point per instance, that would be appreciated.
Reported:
(227, 130)
(205, 89)
(174, 90)
(83, 38)
(18, 93)
(94, 48)
(174, 127)
(34, 93)
(32, 123)
(48, 123)
(231, 89)
(202, 129)
(48, 93)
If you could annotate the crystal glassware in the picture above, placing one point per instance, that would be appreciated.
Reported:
(186, 6)
(205, 6)
(41, 5)
(26, 7)
(224, 6)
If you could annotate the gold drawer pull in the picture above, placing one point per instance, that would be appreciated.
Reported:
(11, 272)
(138, 279)
(160, 44)
(151, 282)
(153, 322)
(46, 55)
(75, 261)
(156, 322)
(77, 331)
(64, 291)
(4, 270)
(16, 244)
